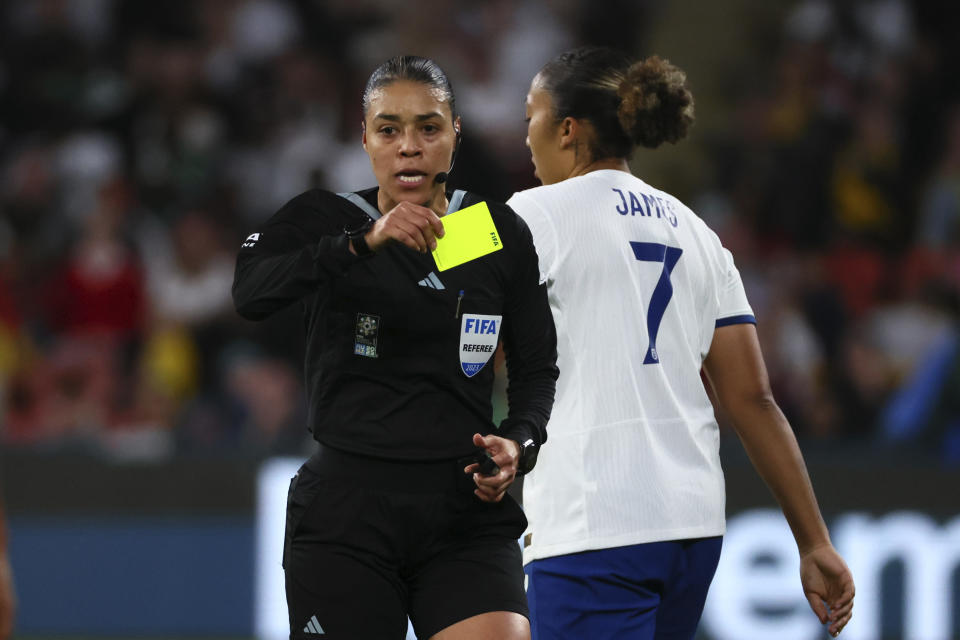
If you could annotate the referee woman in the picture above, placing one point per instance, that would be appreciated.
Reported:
(626, 508)
(393, 516)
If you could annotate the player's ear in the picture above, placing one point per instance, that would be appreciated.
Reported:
(568, 129)
(363, 137)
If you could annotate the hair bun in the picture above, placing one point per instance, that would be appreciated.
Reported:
(655, 104)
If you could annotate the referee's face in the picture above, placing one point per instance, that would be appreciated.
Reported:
(409, 134)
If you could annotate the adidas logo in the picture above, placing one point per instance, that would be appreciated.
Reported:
(432, 282)
(314, 627)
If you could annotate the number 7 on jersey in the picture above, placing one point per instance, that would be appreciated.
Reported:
(668, 257)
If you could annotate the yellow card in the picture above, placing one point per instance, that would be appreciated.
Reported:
(467, 235)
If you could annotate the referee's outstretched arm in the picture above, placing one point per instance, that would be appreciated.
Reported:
(296, 250)
(738, 375)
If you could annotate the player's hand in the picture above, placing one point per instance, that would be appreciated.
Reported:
(409, 224)
(505, 453)
(8, 600)
(827, 582)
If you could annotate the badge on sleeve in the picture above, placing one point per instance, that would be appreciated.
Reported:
(478, 341)
(365, 340)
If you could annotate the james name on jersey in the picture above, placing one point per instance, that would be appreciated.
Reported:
(650, 206)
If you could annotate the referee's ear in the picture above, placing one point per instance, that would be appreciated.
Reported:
(456, 144)
(363, 136)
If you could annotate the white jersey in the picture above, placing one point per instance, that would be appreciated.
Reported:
(637, 284)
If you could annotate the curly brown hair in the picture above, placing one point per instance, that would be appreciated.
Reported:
(629, 103)
(656, 105)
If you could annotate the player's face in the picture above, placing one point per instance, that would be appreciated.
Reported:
(543, 136)
(409, 134)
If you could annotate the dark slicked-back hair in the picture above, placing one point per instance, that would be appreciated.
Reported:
(414, 69)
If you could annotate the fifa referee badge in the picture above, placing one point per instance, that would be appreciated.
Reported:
(365, 340)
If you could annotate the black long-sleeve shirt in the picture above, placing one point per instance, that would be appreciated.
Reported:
(383, 366)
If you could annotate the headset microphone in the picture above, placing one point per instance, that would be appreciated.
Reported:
(443, 175)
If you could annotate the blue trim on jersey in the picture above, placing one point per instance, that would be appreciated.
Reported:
(744, 319)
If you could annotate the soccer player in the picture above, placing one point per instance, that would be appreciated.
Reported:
(626, 507)
(393, 516)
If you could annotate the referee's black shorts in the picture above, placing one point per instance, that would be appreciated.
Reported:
(369, 542)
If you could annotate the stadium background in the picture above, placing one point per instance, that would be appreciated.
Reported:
(139, 143)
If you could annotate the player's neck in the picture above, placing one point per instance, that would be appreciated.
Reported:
(613, 164)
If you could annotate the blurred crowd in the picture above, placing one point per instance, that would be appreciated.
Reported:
(838, 191)
(140, 142)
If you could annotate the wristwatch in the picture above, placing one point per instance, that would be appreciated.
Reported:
(356, 235)
(528, 456)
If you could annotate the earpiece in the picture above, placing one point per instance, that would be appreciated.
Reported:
(443, 175)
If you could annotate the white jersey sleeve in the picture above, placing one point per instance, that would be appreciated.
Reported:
(544, 235)
(637, 285)
(731, 297)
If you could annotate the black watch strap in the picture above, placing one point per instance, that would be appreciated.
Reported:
(528, 456)
(358, 237)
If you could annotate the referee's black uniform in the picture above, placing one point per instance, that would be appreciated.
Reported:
(382, 522)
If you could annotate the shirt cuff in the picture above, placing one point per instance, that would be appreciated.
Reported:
(519, 430)
(746, 318)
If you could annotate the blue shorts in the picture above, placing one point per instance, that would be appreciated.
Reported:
(651, 591)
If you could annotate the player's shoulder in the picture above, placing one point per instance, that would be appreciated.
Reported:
(689, 217)
(570, 195)
(547, 193)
